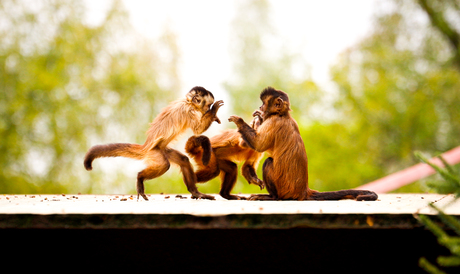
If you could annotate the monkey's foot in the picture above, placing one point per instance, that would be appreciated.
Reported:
(143, 196)
(199, 195)
(232, 197)
(261, 197)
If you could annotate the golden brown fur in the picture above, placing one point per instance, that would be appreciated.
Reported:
(227, 148)
(285, 173)
(173, 121)
(193, 112)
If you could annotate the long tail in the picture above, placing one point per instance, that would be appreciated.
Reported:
(133, 151)
(359, 195)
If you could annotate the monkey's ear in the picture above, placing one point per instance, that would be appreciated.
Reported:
(279, 103)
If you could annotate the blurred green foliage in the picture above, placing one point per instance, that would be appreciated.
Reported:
(67, 85)
(450, 183)
(396, 92)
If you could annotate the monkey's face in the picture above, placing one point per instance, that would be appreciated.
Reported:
(272, 105)
(206, 103)
(274, 102)
(263, 107)
(201, 98)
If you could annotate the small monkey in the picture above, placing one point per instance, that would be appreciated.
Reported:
(195, 111)
(285, 173)
(226, 148)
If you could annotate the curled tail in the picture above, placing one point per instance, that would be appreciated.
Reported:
(199, 145)
(133, 151)
(359, 195)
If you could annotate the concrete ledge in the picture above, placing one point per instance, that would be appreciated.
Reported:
(113, 232)
(171, 211)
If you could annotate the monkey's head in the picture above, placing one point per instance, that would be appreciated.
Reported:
(201, 98)
(274, 102)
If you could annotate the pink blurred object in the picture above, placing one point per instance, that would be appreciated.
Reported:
(411, 174)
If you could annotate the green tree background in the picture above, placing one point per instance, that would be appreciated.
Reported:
(66, 85)
(396, 92)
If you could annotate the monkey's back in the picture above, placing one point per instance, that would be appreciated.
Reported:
(290, 160)
(229, 145)
(172, 121)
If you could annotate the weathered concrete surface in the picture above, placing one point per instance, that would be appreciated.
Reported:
(114, 232)
(171, 211)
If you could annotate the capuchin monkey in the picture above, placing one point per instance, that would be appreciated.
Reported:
(196, 111)
(285, 173)
(224, 151)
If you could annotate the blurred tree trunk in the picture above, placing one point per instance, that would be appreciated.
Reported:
(436, 11)
(399, 86)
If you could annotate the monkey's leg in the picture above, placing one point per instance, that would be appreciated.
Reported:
(157, 165)
(268, 181)
(208, 173)
(149, 173)
(188, 175)
(228, 176)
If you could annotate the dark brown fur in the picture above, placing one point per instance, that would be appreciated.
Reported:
(193, 112)
(285, 173)
(227, 149)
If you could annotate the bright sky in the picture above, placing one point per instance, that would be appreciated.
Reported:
(202, 28)
(203, 31)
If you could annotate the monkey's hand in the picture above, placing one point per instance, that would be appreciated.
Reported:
(236, 119)
(258, 182)
(257, 113)
(215, 107)
(257, 121)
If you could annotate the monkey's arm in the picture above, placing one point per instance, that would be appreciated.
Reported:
(260, 140)
(248, 170)
(207, 119)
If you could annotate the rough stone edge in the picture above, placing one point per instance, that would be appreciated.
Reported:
(186, 221)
